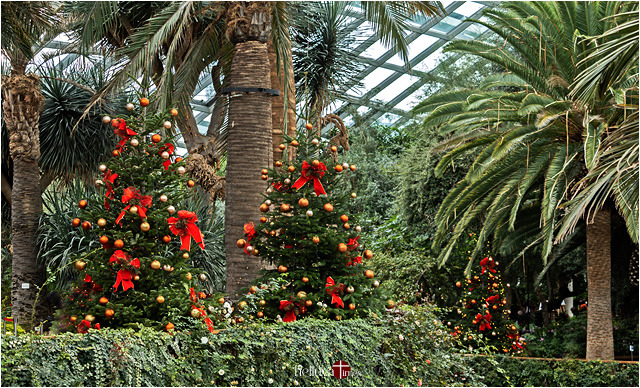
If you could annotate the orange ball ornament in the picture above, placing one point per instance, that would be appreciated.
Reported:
(291, 169)
(278, 163)
(83, 203)
(118, 244)
(352, 167)
(368, 254)
(352, 306)
(264, 177)
(259, 314)
(155, 264)
(328, 207)
(294, 143)
(86, 225)
(344, 218)
(334, 149)
(104, 240)
(305, 279)
(338, 168)
(264, 208)
(104, 300)
(282, 269)
(285, 208)
(282, 147)
(166, 239)
(241, 243)
(369, 274)
(109, 313)
(316, 239)
(80, 265)
(170, 326)
(73, 319)
(144, 101)
(342, 247)
(308, 126)
(303, 202)
(264, 171)
(178, 159)
(458, 284)
(253, 289)
(191, 183)
(156, 138)
(76, 222)
(174, 112)
(315, 163)
(115, 153)
(263, 220)
(160, 299)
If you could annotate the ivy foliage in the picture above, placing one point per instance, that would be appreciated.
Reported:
(401, 348)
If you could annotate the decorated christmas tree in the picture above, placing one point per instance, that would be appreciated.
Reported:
(484, 317)
(143, 273)
(309, 235)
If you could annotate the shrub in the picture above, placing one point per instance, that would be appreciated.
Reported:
(380, 352)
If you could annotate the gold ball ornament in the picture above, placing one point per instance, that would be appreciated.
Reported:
(268, 202)
(309, 213)
(369, 274)
(302, 295)
(262, 302)
(89, 317)
(181, 170)
(458, 284)
(494, 285)
(115, 153)
(109, 313)
(155, 264)
(351, 290)
(195, 313)
(315, 142)
(99, 182)
(73, 319)
(145, 226)
(358, 228)
(202, 277)
(239, 319)
(368, 254)
(338, 317)
(133, 210)
(342, 247)
(242, 305)
(136, 277)
(135, 142)
(291, 169)
(294, 143)
(334, 149)
(328, 207)
(315, 163)
(376, 284)
(303, 202)
(130, 106)
(264, 208)
(164, 155)
(185, 255)
(287, 181)
(241, 243)
(118, 244)
(285, 208)
(278, 163)
(166, 125)
(102, 168)
(220, 300)
(102, 222)
(390, 304)
(188, 276)
(308, 303)
(352, 167)
(80, 265)
(166, 268)
(353, 195)
(160, 299)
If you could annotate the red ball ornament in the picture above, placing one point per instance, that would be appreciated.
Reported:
(86, 225)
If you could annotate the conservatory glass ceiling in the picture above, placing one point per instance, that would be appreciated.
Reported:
(388, 89)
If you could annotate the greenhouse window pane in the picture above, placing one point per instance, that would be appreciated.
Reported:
(373, 79)
(398, 86)
(430, 62)
(447, 24)
(469, 8)
(408, 103)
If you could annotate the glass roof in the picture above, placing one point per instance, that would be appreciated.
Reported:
(388, 90)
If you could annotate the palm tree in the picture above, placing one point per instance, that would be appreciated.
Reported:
(534, 139)
(24, 24)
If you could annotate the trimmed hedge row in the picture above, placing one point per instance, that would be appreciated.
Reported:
(505, 371)
(395, 350)
(406, 349)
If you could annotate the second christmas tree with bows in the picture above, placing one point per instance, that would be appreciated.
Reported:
(310, 234)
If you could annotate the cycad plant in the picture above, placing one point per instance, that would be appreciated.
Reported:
(537, 141)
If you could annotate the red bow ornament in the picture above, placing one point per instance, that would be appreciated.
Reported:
(126, 274)
(203, 314)
(487, 264)
(515, 340)
(483, 321)
(290, 308)
(84, 326)
(91, 285)
(250, 233)
(334, 291)
(355, 260)
(185, 226)
(132, 197)
(108, 180)
(124, 132)
(353, 243)
(310, 172)
(169, 148)
(493, 299)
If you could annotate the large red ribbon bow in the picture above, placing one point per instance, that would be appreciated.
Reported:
(493, 299)
(84, 326)
(108, 180)
(250, 233)
(124, 132)
(125, 275)
(487, 264)
(335, 296)
(310, 172)
(169, 148)
(185, 226)
(483, 321)
(289, 307)
(132, 197)
(203, 314)
(353, 243)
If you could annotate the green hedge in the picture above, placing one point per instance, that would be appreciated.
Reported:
(382, 352)
(505, 371)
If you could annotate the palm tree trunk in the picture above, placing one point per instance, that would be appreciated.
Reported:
(248, 151)
(22, 107)
(277, 109)
(599, 324)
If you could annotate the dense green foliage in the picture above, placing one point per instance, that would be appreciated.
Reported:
(380, 353)
(518, 372)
